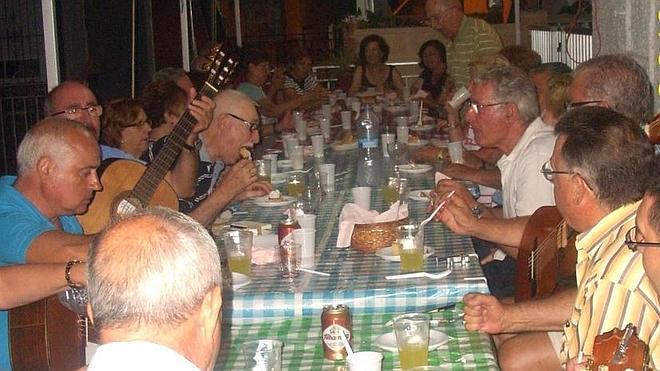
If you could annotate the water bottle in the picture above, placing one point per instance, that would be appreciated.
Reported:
(369, 161)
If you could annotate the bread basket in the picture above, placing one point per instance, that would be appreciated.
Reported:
(371, 237)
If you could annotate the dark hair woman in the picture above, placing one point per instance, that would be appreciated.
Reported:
(433, 79)
(372, 71)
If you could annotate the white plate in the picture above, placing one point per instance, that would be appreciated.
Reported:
(440, 143)
(239, 280)
(388, 341)
(284, 163)
(417, 169)
(417, 195)
(423, 127)
(386, 253)
(421, 142)
(264, 201)
(344, 147)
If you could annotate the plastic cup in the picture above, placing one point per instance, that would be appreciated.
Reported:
(401, 120)
(362, 197)
(412, 339)
(263, 355)
(238, 245)
(324, 123)
(386, 139)
(290, 256)
(295, 186)
(459, 97)
(301, 130)
(272, 157)
(365, 361)
(327, 175)
(289, 140)
(297, 157)
(307, 221)
(306, 238)
(326, 110)
(355, 106)
(264, 169)
(456, 152)
(411, 248)
(413, 107)
(402, 134)
(346, 119)
(317, 145)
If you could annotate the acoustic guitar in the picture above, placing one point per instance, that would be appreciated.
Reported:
(128, 185)
(620, 350)
(546, 256)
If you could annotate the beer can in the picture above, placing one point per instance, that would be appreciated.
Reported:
(285, 230)
(334, 320)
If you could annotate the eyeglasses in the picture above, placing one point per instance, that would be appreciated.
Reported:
(92, 109)
(549, 173)
(478, 106)
(633, 235)
(252, 126)
(584, 103)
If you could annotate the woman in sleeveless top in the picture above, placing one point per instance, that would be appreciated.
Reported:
(433, 79)
(372, 71)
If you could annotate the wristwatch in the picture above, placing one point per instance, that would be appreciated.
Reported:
(478, 210)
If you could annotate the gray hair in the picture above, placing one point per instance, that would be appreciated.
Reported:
(512, 85)
(49, 137)
(610, 151)
(155, 278)
(620, 81)
(169, 74)
(228, 98)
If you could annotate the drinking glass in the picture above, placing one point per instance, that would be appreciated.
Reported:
(411, 247)
(238, 245)
(398, 152)
(412, 339)
(396, 189)
(264, 169)
(263, 355)
(290, 258)
(295, 186)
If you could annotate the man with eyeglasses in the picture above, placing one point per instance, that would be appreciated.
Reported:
(75, 101)
(234, 126)
(468, 37)
(504, 114)
(645, 236)
(601, 165)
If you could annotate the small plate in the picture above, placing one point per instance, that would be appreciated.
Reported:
(388, 341)
(421, 142)
(239, 280)
(264, 201)
(423, 127)
(386, 253)
(284, 163)
(344, 147)
(417, 195)
(417, 169)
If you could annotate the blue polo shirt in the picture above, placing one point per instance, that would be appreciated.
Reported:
(20, 224)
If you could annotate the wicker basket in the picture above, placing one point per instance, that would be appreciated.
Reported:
(371, 237)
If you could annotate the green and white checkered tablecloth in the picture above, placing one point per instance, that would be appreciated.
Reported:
(303, 349)
(357, 279)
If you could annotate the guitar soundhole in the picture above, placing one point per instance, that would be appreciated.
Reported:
(125, 204)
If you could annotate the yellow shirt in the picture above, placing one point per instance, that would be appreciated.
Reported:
(613, 289)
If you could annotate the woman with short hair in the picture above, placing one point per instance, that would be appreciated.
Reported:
(372, 72)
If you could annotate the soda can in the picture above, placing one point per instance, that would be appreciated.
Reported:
(285, 230)
(334, 320)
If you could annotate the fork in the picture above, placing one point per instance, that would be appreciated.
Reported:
(433, 276)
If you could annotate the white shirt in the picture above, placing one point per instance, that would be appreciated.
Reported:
(138, 355)
(524, 188)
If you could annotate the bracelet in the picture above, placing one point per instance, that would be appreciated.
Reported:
(67, 273)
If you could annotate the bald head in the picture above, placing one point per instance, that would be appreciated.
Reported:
(71, 95)
(151, 270)
(228, 101)
(52, 137)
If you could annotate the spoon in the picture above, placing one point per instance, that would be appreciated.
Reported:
(440, 205)
(421, 105)
(434, 276)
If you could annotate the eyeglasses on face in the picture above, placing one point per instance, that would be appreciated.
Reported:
(549, 173)
(583, 103)
(252, 126)
(478, 107)
(633, 238)
(92, 109)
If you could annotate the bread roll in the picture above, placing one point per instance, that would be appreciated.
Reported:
(245, 153)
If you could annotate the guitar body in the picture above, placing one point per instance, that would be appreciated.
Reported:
(44, 335)
(543, 260)
(118, 178)
(632, 352)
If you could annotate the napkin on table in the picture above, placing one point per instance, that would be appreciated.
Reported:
(352, 214)
(263, 249)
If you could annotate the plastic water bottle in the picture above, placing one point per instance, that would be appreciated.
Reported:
(369, 161)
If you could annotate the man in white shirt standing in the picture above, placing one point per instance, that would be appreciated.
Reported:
(155, 293)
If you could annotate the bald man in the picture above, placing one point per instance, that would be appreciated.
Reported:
(57, 162)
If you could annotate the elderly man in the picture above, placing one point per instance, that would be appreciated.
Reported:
(600, 167)
(234, 126)
(645, 237)
(468, 37)
(161, 311)
(75, 101)
(57, 162)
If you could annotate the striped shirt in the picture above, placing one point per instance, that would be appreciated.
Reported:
(613, 289)
(300, 87)
(475, 38)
